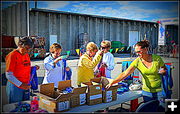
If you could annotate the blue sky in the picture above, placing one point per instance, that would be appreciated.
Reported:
(135, 10)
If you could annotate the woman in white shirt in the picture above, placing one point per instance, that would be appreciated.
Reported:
(108, 58)
(54, 66)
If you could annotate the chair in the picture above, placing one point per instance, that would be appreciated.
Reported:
(150, 106)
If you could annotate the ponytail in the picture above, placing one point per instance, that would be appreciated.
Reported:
(143, 43)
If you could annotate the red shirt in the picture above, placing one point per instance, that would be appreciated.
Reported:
(20, 65)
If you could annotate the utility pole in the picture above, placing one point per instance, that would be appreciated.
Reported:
(35, 2)
(27, 3)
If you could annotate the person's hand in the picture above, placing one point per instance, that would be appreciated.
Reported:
(58, 58)
(109, 85)
(25, 86)
(37, 67)
(67, 56)
(162, 71)
(97, 74)
(67, 69)
(103, 65)
(100, 52)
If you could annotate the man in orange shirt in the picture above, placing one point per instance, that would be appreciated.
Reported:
(18, 70)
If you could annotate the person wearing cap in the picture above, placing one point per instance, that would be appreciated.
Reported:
(18, 70)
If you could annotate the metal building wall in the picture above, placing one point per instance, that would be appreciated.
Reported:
(69, 26)
(14, 20)
(172, 31)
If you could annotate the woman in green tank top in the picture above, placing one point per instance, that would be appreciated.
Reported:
(150, 66)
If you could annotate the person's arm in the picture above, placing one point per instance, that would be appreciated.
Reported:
(57, 60)
(126, 73)
(50, 64)
(122, 76)
(163, 68)
(110, 63)
(92, 64)
(13, 79)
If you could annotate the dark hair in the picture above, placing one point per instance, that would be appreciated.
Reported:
(143, 43)
(26, 41)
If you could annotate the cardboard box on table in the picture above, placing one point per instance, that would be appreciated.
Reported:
(51, 100)
(94, 93)
(78, 96)
(110, 94)
(56, 101)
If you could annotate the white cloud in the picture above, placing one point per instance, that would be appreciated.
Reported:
(136, 12)
(136, 9)
(56, 4)
(125, 10)
(81, 5)
(84, 8)
(107, 11)
(123, 2)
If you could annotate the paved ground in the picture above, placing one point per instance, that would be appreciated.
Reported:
(117, 70)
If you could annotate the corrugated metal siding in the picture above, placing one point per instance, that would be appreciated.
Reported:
(14, 20)
(171, 33)
(68, 27)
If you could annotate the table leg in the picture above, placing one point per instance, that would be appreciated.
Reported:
(134, 105)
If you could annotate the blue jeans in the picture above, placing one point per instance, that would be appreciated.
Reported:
(16, 94)
(147, 96)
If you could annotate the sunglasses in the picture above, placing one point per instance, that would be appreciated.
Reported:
(138, 51)
(104, 47)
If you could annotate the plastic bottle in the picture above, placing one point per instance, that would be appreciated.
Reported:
(34, 104)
